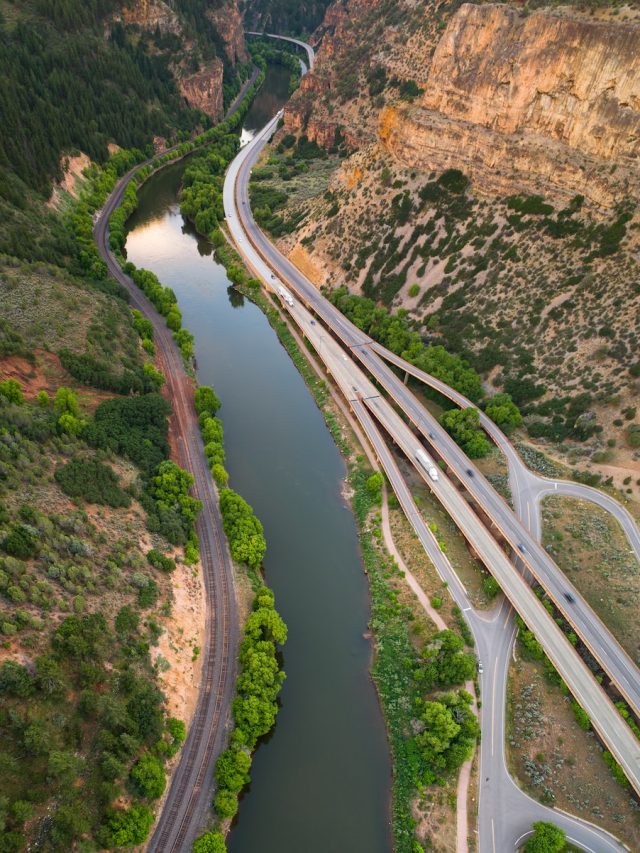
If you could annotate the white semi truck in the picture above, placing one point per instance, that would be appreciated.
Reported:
(427, 463)
(284, 294)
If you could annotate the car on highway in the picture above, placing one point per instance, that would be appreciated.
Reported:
(480, 667)
(569, 598)
(522, 548)
(469, 472)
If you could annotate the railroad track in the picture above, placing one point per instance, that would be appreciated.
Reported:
(188, 799)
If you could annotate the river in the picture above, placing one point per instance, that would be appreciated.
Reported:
(321, 780)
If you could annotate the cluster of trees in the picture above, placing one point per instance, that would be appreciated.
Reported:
(90, 371)
(503, 412)
(166, 302)
(285, 16)
(444, 662)
(207, 404)
(463, 425)
(449, 733)
(243, 529)
(447, 726)
(203, 179)
(176, 509)
(92, 481)
(103, 680)
(394, 331)
(135, 427)
(255, 707)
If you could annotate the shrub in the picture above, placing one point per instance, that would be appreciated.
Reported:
(210, 842)
(21, 542)
(206, 400)
(490, 586)
(161, 562)
(148, 777)
(135, 427)
(92, 481)
(582, 718)
(11, 390)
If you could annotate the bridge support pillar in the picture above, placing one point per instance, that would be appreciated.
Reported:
(406, 377)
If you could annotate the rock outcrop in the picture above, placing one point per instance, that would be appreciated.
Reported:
(228, 23)
(150, 15)
(547, 102)
(203, 90)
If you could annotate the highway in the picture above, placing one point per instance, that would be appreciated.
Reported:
(348, 376)
(531, 487)
(615, 662)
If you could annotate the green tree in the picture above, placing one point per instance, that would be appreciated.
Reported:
(128, 827)
(66, 402)
(445, 662)
(148, 777)
(206, 400)
(225, 804)
(546, 838)
(504, 412)
(12, 391)
(463, 425)
(210, 842)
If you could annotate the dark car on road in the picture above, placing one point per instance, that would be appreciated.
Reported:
(569, 598)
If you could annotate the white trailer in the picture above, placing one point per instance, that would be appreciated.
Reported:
(427, 463)
(283, 293)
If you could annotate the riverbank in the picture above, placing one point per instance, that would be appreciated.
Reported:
(329, 708)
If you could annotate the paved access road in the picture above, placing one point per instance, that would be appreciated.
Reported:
(323, 341)
(189, 797)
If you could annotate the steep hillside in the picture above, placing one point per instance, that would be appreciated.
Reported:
(82, 76)
(490, 188)
(92, 625)
(293, 17)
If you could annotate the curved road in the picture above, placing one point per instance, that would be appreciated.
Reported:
(189, 797)
(582, 833)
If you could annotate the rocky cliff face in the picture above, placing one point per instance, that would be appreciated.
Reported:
(228, 23)
(546, 102)
(203, 90)
(150, 15)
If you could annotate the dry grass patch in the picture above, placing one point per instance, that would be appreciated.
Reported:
(557, 762)
(591, 548)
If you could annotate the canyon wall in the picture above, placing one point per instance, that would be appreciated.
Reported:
(203, 90)
(546, 102)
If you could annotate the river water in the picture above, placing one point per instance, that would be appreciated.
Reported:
(321, 780)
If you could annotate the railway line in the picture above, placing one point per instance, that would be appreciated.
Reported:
(189, 795)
